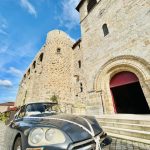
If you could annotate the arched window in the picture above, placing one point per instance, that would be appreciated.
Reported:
(91, 4)
(34, 65)
(41, 57)
(79, 63)
(105, 29)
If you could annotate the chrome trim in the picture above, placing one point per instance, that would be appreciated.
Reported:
(82, 143)
(101, 133)
(88, 147)
(91, 146)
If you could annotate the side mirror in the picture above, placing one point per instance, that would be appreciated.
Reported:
(14, 124)
(107, 141)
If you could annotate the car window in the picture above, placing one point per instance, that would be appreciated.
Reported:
(35, 107)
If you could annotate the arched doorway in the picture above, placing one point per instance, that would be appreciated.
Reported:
(127, 94)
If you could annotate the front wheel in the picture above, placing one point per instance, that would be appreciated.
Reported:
(18, 145)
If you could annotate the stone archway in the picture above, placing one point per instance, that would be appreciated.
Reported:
(127, 94)
(133, 64)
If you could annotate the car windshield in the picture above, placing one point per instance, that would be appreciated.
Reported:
(42, 108)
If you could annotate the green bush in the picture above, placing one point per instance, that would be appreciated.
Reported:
(54, 99)
(4, 116)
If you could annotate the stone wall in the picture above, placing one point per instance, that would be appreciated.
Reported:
(128, 38)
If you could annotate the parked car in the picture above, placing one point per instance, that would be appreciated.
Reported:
(41, 126)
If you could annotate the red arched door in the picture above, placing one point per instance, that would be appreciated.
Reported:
(127, 94)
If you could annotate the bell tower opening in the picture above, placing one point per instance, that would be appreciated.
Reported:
(127, 94)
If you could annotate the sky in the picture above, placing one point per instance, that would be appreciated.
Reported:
(23, 28)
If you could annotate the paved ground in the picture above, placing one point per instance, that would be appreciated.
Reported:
(117, 144)
(2, 133)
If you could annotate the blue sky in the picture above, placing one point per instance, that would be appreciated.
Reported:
(23, 28)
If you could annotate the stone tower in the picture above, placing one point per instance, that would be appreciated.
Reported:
(50, 73)
(115, 46)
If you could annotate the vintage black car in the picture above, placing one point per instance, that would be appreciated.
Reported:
(38, 126)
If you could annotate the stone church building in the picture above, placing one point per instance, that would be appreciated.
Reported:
(107, 71)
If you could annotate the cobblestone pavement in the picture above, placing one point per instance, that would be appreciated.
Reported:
(117, 144)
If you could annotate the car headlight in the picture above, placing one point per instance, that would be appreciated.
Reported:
(36, 135)
(46, 136)
(49, 134)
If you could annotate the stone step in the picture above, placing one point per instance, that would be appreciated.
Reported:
(128, 132)
(140, 127)
(125, 118)
(129, 138)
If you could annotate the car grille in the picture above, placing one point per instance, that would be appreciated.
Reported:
(85, 145)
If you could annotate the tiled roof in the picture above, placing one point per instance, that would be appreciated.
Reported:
(7, 104)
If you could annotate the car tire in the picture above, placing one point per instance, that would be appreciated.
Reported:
(18, 145)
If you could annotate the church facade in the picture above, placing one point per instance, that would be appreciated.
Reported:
(107, 71)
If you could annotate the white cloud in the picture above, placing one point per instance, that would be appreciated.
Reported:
(30, 8)
(70, 16)
(3, 47)
(26, 50)
(21, 51)
(6, 83)
(3, 32)
(14, 71)
(3, 25)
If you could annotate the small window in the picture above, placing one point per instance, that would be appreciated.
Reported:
(41, 57)
(28, 72)
(81, 87)
(34, 65)
(105, 29)
(79, 63)
(24, 76)
(77, 78)
(58, 50)
(91, 4)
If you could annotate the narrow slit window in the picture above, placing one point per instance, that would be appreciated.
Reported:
(34, 65)
(41, 57)
(24, 76)
(79, 63)
(105, 29)
(91, 4)
(81, 87)
(28, 72)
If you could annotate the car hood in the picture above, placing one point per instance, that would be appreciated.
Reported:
(78, 128)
